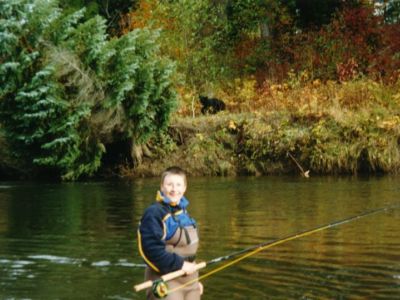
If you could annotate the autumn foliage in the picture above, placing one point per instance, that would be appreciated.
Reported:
(233, 58)
(356, 42)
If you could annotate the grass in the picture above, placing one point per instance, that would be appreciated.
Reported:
(330, 128)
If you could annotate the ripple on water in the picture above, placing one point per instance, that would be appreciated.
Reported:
(58, 259)
(102, 263)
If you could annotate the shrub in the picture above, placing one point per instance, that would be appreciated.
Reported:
(67, 90)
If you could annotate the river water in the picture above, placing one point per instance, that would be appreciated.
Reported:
(78, 240)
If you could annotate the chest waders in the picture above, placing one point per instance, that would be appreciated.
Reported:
(184, 242)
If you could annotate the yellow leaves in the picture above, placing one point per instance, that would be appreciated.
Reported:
(390, 124)
(304, 76)
(299, 79)
(331, 83)
(275, 87)
(312, 97)
(316, 83)
(232, 125)
(396, 98)
(200, 136)
(246, 90)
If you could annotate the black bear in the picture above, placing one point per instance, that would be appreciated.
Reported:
(211, 105)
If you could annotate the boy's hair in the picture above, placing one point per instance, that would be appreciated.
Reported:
(175, 171)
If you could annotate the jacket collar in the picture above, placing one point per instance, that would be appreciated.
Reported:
(183, 203)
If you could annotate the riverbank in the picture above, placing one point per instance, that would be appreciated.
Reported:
(331, 128)
(258, 144)
(335, 128)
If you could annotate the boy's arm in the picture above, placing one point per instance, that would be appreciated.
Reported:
(151, 242)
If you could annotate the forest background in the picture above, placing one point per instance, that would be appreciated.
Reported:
(110, 88)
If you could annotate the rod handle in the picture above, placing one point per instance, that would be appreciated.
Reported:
(166, 277)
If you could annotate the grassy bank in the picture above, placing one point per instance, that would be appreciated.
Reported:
(329, 128)
(332, 128)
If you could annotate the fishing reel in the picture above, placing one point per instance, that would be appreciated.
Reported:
(159, 288)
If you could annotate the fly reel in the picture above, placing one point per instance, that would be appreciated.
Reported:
(159, 288)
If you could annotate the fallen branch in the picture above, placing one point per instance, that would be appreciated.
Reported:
(305, 174)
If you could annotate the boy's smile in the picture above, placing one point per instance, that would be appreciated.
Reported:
(173, 187)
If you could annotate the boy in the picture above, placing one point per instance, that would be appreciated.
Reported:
(168, 238)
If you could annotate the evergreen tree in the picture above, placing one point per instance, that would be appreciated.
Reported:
(66, 89)
(111, 10)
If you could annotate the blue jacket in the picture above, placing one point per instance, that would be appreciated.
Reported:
(158, 224)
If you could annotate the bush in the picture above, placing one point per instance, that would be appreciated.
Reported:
(67, 90)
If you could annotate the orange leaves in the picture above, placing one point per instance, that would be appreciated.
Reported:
(147, 14)
(245, 48)
(138, 18)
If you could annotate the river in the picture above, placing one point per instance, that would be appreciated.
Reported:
(78, 240)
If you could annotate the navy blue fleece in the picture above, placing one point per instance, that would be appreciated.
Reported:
(152, 233)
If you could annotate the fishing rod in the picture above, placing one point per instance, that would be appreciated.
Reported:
(160, 287)
(300, 234)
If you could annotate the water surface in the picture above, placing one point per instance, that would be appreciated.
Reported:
(78, 240)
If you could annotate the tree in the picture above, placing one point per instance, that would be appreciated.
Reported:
(111, 10)
(315, 13)
(67, 90)
(391, 11)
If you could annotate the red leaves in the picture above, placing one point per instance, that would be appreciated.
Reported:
(356, 42)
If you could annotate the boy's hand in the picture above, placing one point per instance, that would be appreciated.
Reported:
(201, 288)
(189, 267)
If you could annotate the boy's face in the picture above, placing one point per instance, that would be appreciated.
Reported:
(173, 187)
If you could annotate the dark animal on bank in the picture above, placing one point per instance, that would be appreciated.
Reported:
(211, 105)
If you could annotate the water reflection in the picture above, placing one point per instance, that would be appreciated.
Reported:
(77, 241)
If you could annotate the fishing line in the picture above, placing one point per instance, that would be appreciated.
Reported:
(258, 248)
(234, 254)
